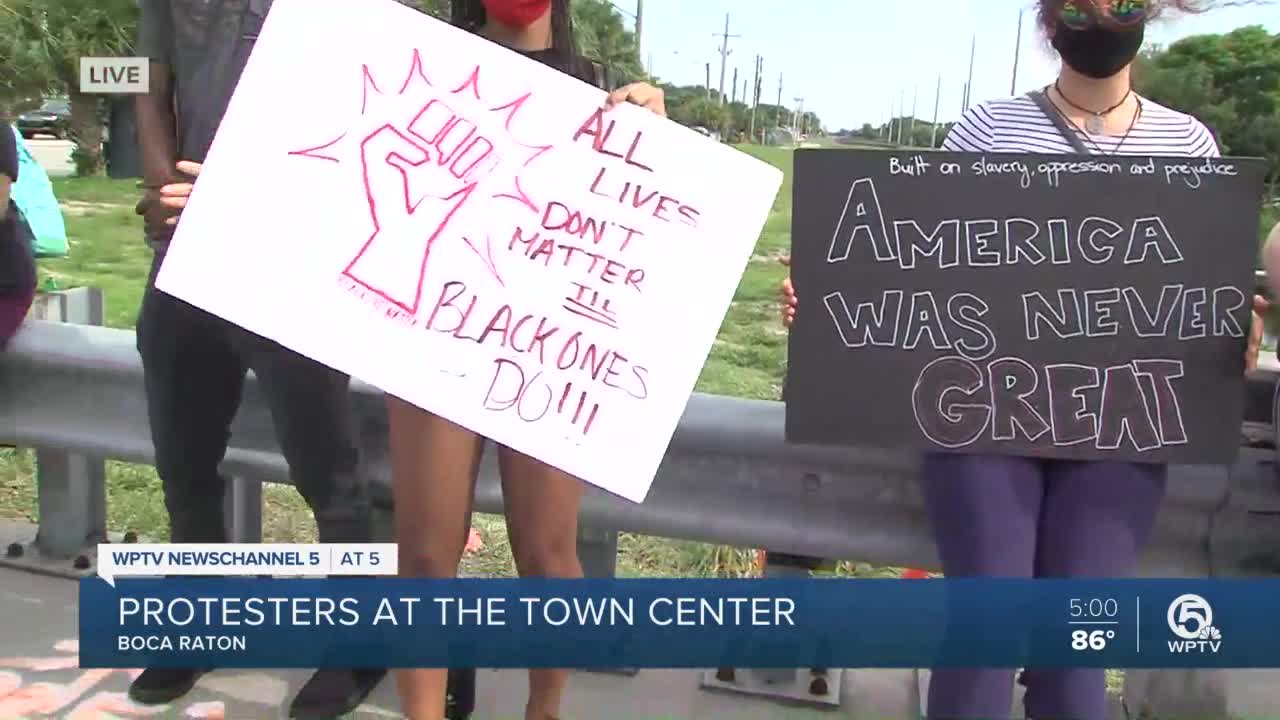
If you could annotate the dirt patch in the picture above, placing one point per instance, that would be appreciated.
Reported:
(76, 207)
(770, 257)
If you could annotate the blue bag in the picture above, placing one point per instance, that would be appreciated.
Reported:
(33, 194)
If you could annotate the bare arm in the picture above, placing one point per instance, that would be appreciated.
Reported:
(157, 120)
(1271, 259)
(157, 128)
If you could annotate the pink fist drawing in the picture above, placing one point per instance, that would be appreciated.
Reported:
(415, 182)
(418, 175)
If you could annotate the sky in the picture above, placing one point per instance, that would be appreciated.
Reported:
(853, 61)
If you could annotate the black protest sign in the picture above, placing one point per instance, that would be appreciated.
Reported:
(1054, 306)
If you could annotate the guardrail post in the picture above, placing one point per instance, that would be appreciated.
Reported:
(812, 685)
(71, 486)
(242, 510)
(598, 554)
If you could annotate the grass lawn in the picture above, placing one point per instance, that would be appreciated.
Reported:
(107, 251)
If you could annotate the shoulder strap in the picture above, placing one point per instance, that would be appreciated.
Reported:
(1055, 117)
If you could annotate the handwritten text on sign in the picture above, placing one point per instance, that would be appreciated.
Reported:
(1053, 306)
(468, 230)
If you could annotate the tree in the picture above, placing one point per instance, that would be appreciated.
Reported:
(53, 35)
(700, 112)
(603, 37)
(26, 79)
(1230, 82)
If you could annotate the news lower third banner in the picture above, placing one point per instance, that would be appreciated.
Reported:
(393, 622)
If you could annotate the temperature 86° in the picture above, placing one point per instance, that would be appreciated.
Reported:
(1091, 639)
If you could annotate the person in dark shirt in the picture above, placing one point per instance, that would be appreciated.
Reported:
(17, 265)
(194, 364)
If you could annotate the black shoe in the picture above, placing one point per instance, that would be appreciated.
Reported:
(334, 693)
(460, 701)
(161, 686)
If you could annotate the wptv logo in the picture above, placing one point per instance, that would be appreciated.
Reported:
(1191, 619)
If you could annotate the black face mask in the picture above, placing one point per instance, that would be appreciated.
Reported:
(1097, 52)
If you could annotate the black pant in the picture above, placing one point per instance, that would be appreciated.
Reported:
(194, 367)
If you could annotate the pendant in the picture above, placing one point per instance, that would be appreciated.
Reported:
(1094, 124)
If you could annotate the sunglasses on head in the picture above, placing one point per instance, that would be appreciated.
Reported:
(1082, 14)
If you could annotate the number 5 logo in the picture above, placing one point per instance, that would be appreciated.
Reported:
(1188, 615)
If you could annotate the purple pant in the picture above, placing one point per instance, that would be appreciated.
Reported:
(13, 310)
(997, 516)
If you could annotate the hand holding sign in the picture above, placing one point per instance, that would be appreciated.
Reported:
(175, 195)
(788, 292)
(160, 207)
(643, 94)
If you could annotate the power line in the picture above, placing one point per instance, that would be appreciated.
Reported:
(724, 52)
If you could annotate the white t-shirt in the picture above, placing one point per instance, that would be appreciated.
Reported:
(1017, 124)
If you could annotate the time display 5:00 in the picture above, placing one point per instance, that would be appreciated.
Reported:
(1107, 608)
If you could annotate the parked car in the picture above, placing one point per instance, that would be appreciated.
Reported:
(52, 118)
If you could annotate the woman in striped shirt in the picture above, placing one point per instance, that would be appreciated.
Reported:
(1005, 516)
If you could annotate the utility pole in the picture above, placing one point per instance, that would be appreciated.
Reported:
(640, 25)
(973, 48)
(902, 113)
(777, 115)
(1017, 48)
(911, 129)
(724, 52)
(734, 98)
(755, 98)
(937, 96)
(964, 99)
(708, 81)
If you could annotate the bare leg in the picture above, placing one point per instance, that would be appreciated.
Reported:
(542, 521)
(433, 471)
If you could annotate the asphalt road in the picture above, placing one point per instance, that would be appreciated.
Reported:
(53, 155)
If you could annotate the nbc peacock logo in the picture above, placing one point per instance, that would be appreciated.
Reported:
(1191, 620)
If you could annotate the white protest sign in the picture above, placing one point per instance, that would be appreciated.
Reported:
(466, 229)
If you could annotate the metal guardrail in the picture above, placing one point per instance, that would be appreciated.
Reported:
(728, 478)
(75, 393)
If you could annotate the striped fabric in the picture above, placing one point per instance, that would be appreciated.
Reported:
(1017, 124)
